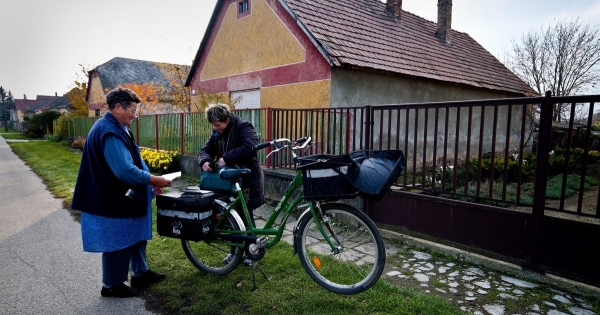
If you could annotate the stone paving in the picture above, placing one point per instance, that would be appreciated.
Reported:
(474, 286)
(481, 291)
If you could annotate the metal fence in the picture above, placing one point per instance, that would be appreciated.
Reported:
(476, 151)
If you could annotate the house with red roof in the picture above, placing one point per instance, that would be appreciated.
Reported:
(321, 54)
(28, 108)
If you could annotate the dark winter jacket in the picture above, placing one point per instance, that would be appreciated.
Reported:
(234, 145)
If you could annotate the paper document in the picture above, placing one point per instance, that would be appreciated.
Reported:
(172, 176)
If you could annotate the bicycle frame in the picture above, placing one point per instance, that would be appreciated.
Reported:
(283, 207)
(356, 255)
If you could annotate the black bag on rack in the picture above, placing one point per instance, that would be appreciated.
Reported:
(185, 215)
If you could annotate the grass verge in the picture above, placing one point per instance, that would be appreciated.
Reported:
(187, 291)
(18, 136)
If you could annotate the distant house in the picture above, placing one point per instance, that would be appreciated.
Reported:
(119, 72)
(320, 54)
(28, 108)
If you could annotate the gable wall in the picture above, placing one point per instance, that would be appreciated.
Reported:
(264, 49)
(96, 99)
(359, 88)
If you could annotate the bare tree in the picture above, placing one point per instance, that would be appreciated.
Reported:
(563, 58)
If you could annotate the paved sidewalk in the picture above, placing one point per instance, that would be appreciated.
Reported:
(43, 269)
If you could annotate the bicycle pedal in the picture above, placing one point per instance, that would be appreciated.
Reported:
(261, 241)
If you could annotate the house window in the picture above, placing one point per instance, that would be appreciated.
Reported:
(97, 113)
(248, 99)
(243, 6)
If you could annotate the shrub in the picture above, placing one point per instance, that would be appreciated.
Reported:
(41, 123)
(160, 160)
(512, 170)
(62, 129)
(78, 143)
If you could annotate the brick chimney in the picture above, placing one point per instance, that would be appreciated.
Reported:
(394, 7)
(444, 20)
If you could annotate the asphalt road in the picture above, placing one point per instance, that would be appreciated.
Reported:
(43, 268)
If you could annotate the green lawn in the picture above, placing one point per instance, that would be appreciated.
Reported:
(187, 291)
(11, 134)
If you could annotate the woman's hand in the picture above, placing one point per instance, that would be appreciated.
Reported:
(221, 162)
(159, 181)
(206, 167)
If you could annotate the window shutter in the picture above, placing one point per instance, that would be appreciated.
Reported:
(250, 99)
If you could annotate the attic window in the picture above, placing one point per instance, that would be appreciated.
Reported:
(243, 6)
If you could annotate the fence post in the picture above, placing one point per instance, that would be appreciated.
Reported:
(367, 124)
(269, 133)
(181, 134)
(539, 188)
(156, 130)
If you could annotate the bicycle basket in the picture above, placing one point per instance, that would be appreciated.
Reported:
(322, 178)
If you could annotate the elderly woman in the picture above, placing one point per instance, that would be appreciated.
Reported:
(231, 144)
(114, 191)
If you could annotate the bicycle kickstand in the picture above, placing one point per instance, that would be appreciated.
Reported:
(256, 265)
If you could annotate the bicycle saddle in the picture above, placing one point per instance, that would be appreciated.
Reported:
(233, 173)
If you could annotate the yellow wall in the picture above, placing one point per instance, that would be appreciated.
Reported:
(264, 42)
(301, 95)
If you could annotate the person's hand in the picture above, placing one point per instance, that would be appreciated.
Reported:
(157, 190)
(159, 181)
(206, 167)
(221, 162)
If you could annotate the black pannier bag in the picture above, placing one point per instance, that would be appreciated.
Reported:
(185, 215)
(374, 172)
(324, 177)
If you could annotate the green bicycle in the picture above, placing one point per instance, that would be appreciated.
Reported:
(339, 246)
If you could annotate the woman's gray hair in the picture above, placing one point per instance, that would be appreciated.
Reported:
(121, 96)
(217, 112)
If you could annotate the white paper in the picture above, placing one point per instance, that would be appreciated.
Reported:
(172, 176)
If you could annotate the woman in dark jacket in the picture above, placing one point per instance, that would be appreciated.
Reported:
(231, 144)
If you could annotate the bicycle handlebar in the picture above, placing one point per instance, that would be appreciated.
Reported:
(261, 146)
(304, 141)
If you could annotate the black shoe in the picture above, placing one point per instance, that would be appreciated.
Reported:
(148, 278)
(119, 291)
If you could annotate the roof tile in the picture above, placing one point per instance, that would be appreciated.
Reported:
(361, 33)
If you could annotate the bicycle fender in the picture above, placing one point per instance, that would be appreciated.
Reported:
(234, 213)
(238, 219)
(295, 231)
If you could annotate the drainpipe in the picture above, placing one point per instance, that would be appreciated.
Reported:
(539, 188)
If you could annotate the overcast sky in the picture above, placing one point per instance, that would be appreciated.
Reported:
(42, 42)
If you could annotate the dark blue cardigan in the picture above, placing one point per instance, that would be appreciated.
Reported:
(98, 190)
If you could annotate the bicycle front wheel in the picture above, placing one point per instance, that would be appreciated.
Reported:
(358, 259)
(212, 257)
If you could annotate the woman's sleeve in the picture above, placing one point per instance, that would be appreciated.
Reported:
(209, 150)
(121, 163)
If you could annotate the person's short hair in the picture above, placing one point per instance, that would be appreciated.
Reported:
(122, 96)
(217, 112)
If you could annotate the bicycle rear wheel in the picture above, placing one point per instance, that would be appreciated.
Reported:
(208, 256)
(359, 258)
